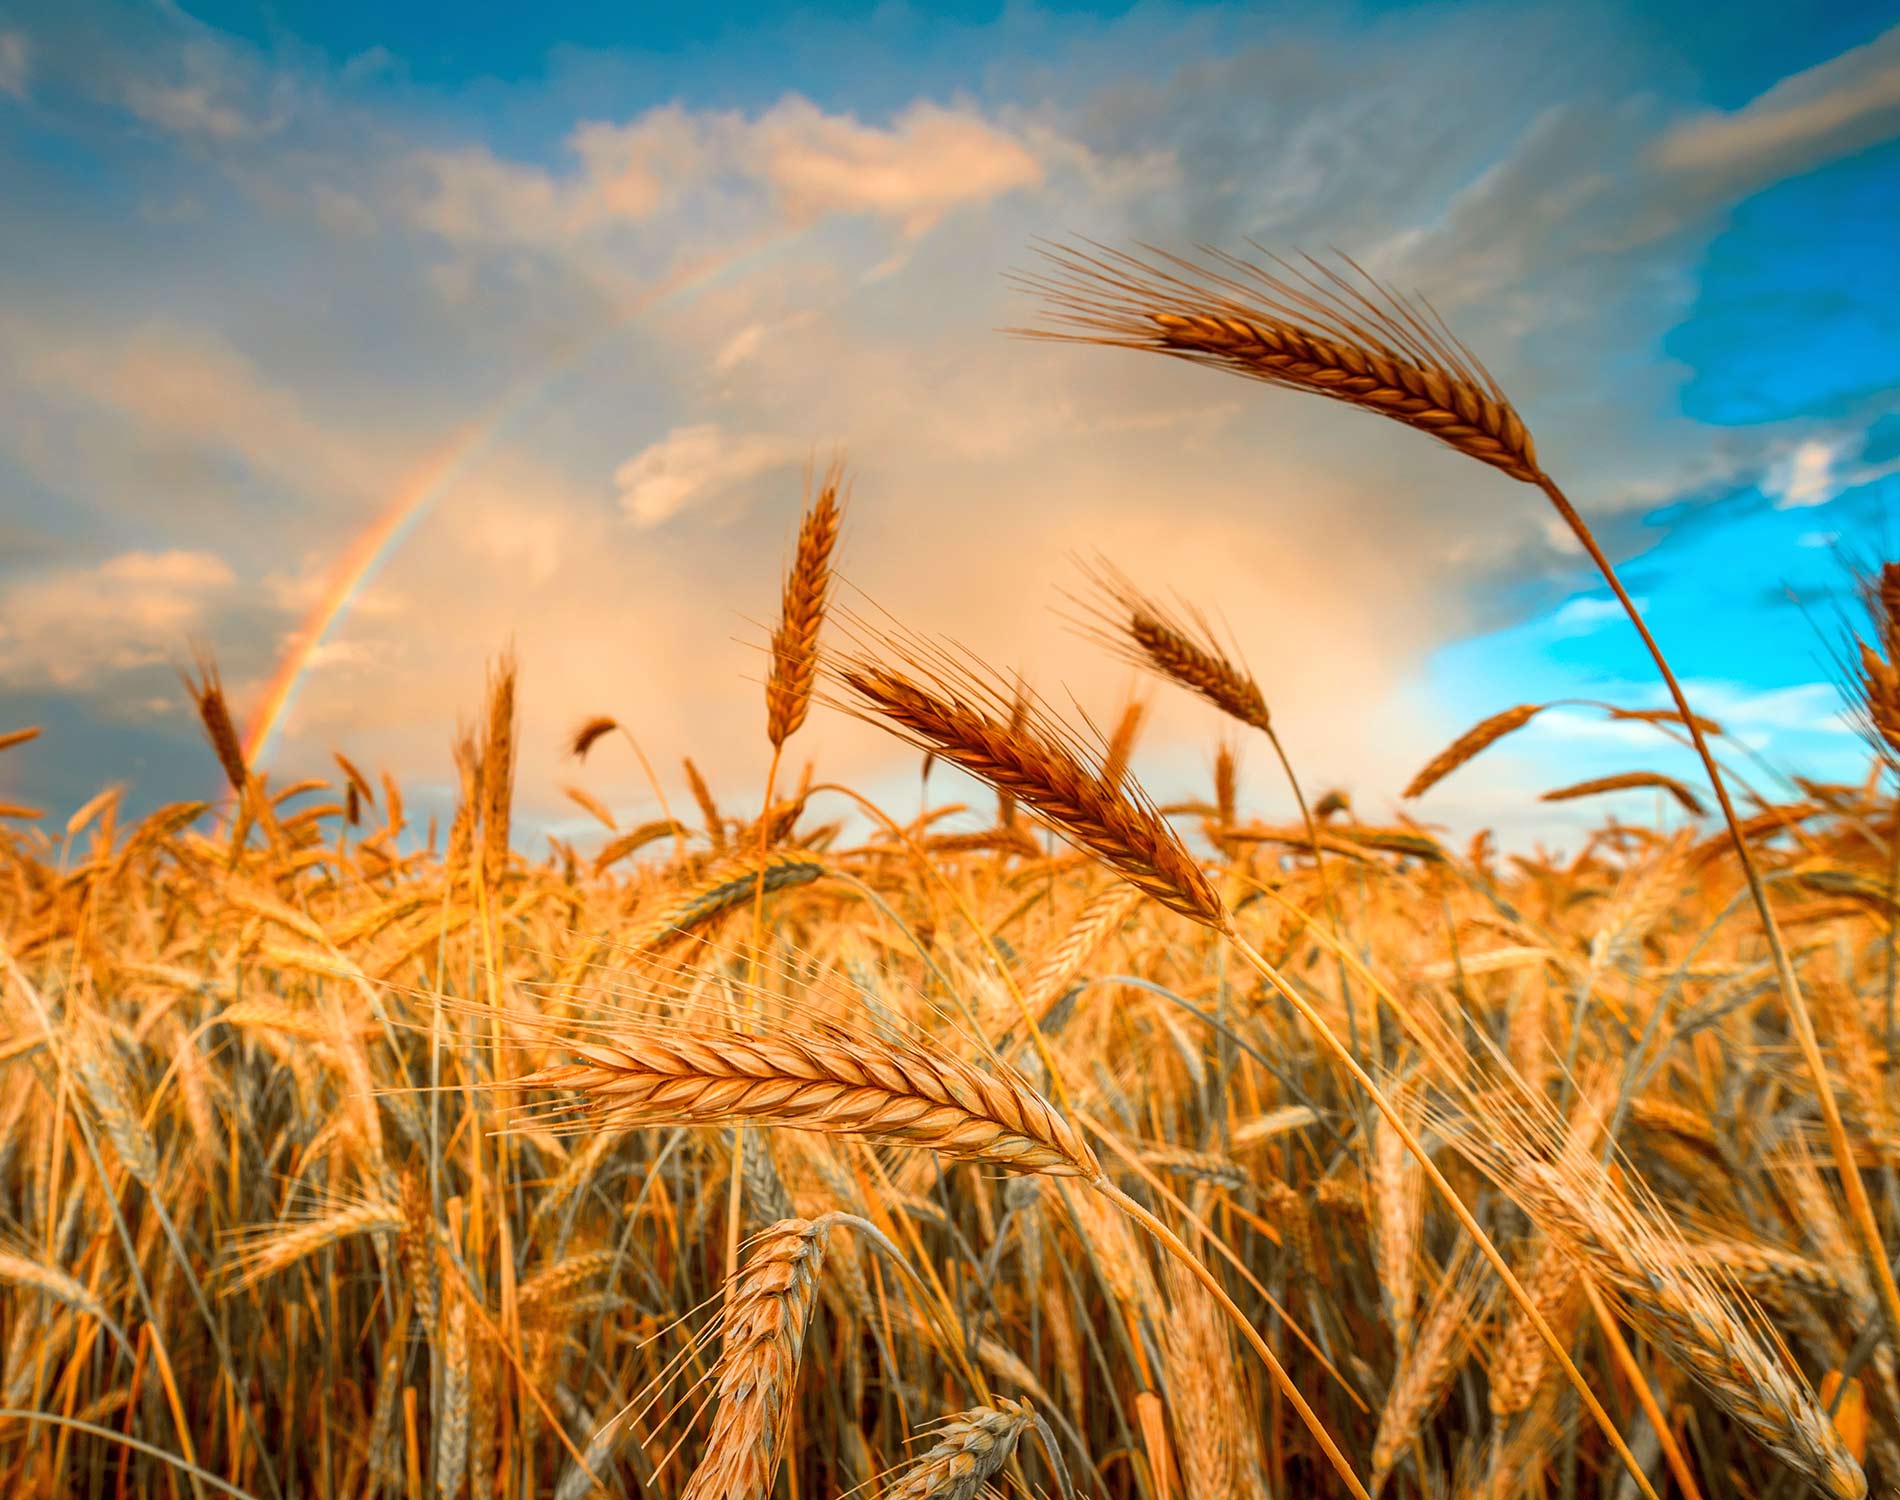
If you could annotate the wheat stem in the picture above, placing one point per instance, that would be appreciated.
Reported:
(1171, 1242)
(1872, 1248)
(1329, 1039)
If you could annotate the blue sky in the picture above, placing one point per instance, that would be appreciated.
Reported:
(641, 265)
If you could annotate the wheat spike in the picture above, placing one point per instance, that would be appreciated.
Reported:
(23, 1270)
(588, 733)
(207, 693)
(498, 767)
(1176, 643)
(795, 643)
(730, 884)
(1473, 741)
(462, 829)
(1519, 1361)
(267, 1252)
(1332, 333)
(634, 840)
(970, 1450)
(1398, 1206)
(1106, 910)
(1041, 767)
(708, 809)
(908, 1093)
(451, 1437)
(764, 1334)
(1629, 781)
(1429, 1364)
(1214, 1429)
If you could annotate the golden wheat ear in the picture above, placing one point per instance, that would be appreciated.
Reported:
(214, 712)
(967, 715)
(1627, 781)
(824, 1079)
(1473, 742)
(788, 690)
(970, 1450)
(1175, 642)
(1336, 333)
(764, 1327)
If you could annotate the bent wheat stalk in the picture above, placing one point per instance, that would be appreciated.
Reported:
(1040, 765)
(1356, 341)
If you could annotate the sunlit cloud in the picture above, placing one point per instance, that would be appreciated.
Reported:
(1836, 107)
(642, 315)
(691, 465)
(78, 628)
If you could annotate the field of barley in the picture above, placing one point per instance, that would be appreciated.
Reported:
(1119, 1150)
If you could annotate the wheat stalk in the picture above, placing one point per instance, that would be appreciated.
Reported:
(1628, 781)
(729, 885)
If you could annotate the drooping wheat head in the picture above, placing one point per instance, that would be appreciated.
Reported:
(1336, 333)
(963, 715)
(1175, 642)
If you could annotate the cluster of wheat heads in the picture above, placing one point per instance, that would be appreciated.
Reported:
(1085, 1147)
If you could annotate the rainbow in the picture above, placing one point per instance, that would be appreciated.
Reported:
(372, 547)
(350, 574)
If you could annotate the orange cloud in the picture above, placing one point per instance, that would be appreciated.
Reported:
(71, 627)
(792, 164)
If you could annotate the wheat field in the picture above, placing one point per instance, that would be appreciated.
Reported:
(1109, 1149)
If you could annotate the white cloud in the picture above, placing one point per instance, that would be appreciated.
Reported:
(187, 109)
(691, 465)
(71, 627)
(790, 166)
(15, 65)
(1840, 106)
(1803, 477)
(1576, 726)
(1809, 707)
(1814, 470)
(188, 388)
(928, 161)
(740, 347)
(1583, 614)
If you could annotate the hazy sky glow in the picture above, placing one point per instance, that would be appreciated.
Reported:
(597, 287)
